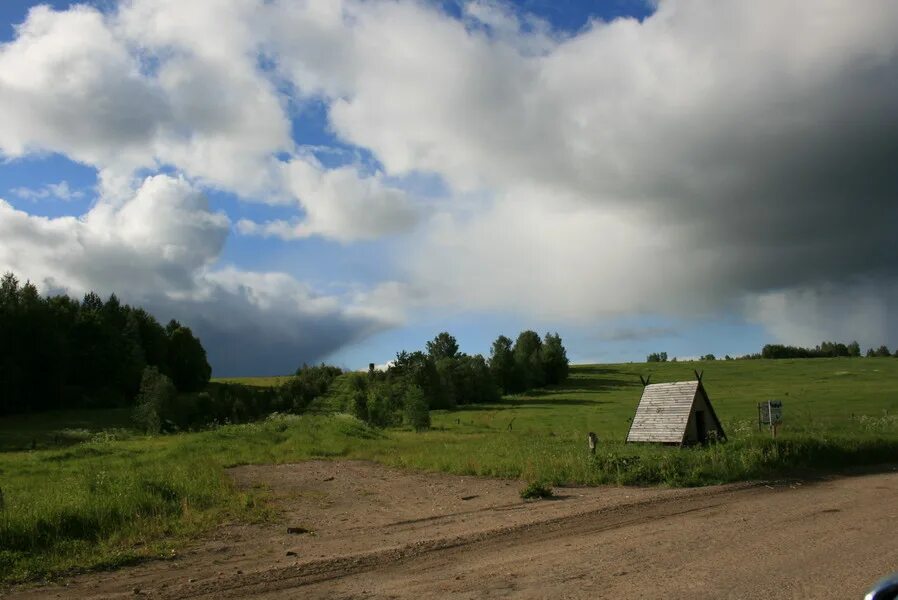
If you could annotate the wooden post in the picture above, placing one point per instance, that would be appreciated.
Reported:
(591, 440)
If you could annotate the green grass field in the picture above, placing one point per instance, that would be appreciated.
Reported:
(256, 381)
(117, 497)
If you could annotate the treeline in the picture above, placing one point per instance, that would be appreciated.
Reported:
(59, 352)
(823, 350)
(776, 351)
(441, 377)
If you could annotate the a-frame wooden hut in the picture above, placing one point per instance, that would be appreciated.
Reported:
(675, 413)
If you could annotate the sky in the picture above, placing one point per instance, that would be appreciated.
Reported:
(337, 180)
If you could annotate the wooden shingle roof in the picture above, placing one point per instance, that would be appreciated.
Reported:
(663, 412)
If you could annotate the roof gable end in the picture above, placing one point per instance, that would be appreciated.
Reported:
(663, 412)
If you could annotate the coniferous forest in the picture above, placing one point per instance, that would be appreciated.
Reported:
(60, 352)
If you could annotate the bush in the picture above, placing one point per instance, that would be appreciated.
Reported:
(384, 404)
(157, 395)
(416, 411)
(352, 396)
(536, 490)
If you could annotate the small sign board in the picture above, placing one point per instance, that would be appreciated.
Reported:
(770, 412)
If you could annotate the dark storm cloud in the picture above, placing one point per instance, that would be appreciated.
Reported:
(242, 339)
(711, 154)
(800, 188)
(630, 334)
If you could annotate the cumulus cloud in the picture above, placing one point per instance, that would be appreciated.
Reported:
(58, 191)
(141, 88)
(158, 250)
(69, 85)
(227, 118)
(340, 204)
(155, 241)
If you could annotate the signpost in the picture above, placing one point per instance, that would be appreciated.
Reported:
(770, 413)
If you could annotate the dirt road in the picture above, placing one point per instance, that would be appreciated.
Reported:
(358, 530)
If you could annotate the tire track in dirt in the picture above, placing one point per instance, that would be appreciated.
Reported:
(594, 521)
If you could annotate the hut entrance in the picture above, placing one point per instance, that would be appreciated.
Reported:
(701, 432)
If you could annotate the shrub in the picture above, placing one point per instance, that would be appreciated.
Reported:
(536, 490)
(416, 411)
(157, 394)
(384, 404)
(352, 396)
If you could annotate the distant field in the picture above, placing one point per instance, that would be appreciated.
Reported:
(818, 395)
(256, 381)
(118, 497)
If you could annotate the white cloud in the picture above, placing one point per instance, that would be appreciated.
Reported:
(155, 241)
(68, 84)
(58, 191)
(388, 302)
(228, 120)
(148, 85)
(340, 204)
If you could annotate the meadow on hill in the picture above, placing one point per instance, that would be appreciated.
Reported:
(95, 494)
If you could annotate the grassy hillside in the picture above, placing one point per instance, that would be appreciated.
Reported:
(118, 496)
